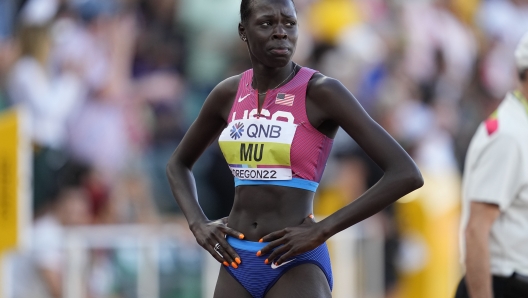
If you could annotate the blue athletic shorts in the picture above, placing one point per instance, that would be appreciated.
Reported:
(258, 278)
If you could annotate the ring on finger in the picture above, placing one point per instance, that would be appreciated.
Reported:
(217, 249)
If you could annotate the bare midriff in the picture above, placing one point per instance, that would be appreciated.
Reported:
(261, 209)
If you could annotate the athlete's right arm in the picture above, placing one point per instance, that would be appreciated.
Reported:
(205, 130)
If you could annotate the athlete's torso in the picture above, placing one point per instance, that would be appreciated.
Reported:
(254, 143)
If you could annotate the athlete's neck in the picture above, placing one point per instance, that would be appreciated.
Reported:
(266, 78)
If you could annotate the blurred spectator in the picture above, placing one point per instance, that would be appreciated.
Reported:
(110, 129)
(454, 45)
(42, 271)
(52, 97)
(503, 23)
(160, 43)
(160, 93)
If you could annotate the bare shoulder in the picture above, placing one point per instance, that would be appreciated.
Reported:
(321, 87)
(329, 104)
(226, 90)
(221, 98)
(329, 93)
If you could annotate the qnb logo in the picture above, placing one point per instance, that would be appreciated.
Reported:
(237, 130)
(264, 131)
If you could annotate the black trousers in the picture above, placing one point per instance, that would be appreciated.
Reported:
(515, 286)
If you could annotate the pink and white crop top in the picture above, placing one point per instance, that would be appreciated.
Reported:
(279, 146)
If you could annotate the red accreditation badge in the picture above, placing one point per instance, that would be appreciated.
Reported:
(492, 123)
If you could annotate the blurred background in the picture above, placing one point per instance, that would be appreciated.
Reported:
(96, 94)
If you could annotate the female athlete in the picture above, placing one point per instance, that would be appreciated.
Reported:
(275, 124)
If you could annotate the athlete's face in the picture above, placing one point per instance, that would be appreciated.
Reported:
(271, 32)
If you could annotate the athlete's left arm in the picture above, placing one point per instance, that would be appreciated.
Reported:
(335, 105)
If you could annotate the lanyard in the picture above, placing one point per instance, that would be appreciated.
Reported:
(522, 99)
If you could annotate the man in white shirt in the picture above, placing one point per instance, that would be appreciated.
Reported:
(494, 230)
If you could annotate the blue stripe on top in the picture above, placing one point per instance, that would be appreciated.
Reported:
(294, 182)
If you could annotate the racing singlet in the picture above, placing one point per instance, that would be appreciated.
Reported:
(279, 146)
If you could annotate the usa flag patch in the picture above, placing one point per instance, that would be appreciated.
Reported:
(284, 99)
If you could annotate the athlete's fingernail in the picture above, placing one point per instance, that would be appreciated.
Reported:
(311, 216)
(258, 253)
(241, 236)
(266, 262)
(238, 260)
(226, 264)
(261, 240)
(234, 265)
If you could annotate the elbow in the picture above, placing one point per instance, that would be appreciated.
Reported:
(170, 169)
(175, 166)
(418, 180)
(414, 179)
